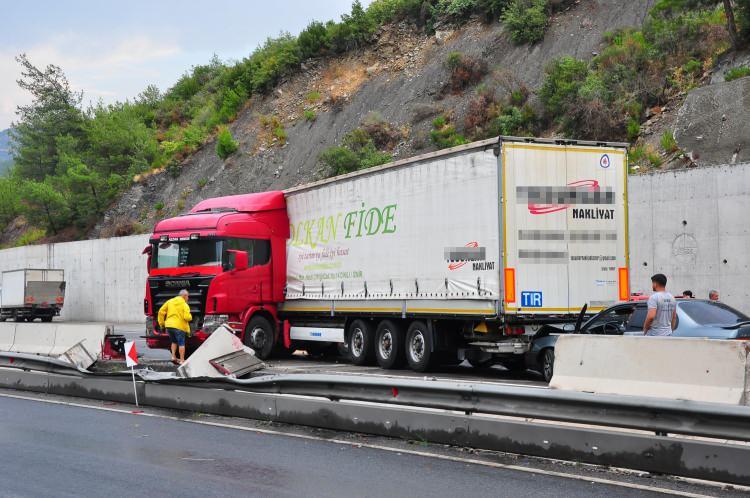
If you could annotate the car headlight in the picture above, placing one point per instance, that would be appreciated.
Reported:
(213, 322)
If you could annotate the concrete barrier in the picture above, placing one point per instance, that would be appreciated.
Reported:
(221, 342)
(91, 335)
(53, 339)
(7, 335)
(34, 338)
(708, 370)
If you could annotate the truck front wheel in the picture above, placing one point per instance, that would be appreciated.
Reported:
(361, 344)
(389, 345)
(260, 336)
(419, 347)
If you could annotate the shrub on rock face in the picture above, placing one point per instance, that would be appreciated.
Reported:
(527, 20)
(464, 70)
(737, 72)
(444, 134)
(225, 143)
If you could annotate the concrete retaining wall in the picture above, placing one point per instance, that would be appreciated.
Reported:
(692, 225)
(106, 278)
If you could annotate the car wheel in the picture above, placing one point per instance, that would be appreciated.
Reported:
(548, 364)
(419, 347)
(361, 343)
(260, 335)
(389, 345)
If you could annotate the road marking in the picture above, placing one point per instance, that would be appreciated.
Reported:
(425, 454)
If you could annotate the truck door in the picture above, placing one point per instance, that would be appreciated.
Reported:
(253, 285)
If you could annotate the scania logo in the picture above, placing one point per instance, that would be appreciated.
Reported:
(177, 283)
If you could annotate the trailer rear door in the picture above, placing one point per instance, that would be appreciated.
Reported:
(564, 227)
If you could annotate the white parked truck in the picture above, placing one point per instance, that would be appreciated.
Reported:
(452, 255)
(29, 294)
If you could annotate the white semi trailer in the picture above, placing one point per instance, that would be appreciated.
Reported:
(458, 254)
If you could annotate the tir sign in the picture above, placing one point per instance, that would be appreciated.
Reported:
(531, 299)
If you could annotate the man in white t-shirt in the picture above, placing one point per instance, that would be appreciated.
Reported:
(661, 319)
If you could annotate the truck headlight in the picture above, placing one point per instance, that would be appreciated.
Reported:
(213, 322)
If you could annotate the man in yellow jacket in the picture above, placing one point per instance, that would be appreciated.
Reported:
(175, 316)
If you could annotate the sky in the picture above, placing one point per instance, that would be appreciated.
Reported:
(113, 50)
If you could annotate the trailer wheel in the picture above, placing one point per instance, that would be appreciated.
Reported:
(419, 347)
(389, 345)
(548, 363)
(361, 344)
(46, 318)
(260, 335)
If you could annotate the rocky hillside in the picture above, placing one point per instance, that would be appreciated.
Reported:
(399, 85)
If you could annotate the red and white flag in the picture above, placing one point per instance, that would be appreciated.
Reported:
(131, 355)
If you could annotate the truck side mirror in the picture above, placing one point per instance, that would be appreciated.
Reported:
(149, 249)
(238, 260)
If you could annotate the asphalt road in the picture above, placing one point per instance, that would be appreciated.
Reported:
(301, 363)
(59, 450)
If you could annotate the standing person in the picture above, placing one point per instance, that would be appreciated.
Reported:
(713, 295)
(662, 309)
(175, 316)
(688, 294)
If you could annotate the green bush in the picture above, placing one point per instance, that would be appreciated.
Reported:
(385, 11)
(275, 126)
(464, 71)
(159, 206)
(492, 9)
(313, 40)
(526, 20)
(444, 134)
(273, 60)
(459, 9)
(633, 129)
(231, 104)
(513, 121)
(202, 183)
(310, 115)
(340, 160)
(358, 151)
(313, 97)
(668, 142)
(564, 77)
(30, 236)
(354, 30)
(225, 143)
(737, 72)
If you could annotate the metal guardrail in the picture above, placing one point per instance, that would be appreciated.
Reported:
(578, 426)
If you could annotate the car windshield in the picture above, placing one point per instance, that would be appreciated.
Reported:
(187, 253)
(711, 313)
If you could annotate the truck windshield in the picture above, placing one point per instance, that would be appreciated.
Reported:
(187, 253)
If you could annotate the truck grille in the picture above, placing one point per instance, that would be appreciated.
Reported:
(165, 288)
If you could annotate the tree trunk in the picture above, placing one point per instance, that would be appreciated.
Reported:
(49, 219)
(96, 200)
(731, 26)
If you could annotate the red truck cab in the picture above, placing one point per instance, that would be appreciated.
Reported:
(230, 254)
